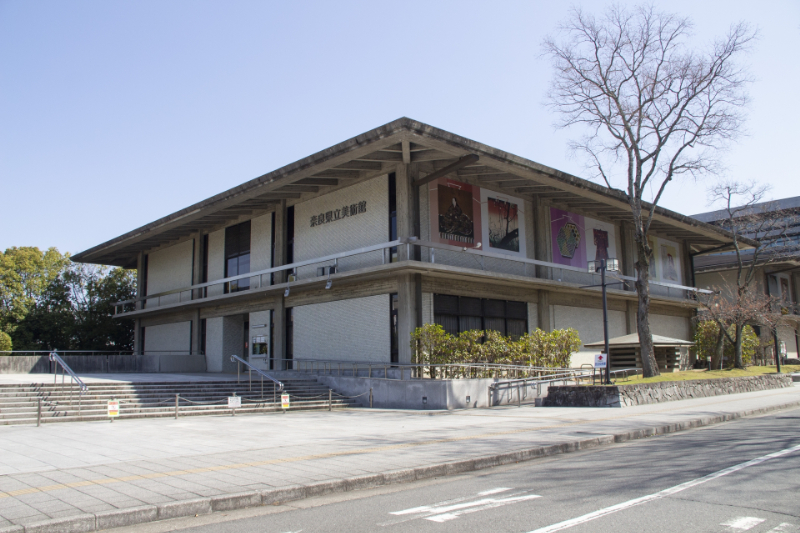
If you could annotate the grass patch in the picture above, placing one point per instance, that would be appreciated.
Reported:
(706, 374)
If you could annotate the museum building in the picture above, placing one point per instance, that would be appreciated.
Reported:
(341, 255)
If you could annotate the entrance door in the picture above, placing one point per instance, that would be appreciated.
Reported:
(259, 338)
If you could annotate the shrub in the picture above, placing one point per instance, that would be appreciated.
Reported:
(432, 345)
(705, 338)
(5, 343)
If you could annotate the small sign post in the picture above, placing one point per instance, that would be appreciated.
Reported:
(113, 409)
(285, 401)
(600, 360)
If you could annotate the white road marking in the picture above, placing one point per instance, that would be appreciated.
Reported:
(493, 491)
(450, 509)
(782, 528)
(661, 494)
(742, 523)
(480, 505)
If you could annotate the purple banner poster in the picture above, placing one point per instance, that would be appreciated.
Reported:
(569, 238)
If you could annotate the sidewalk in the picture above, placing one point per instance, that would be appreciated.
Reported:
(86, 476)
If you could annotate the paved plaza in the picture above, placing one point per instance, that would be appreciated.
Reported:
(63, 470)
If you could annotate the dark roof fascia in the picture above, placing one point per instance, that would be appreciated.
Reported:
(394, 128)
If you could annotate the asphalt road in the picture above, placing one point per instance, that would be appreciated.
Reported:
(739, 476)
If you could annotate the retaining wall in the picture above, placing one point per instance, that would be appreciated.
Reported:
(667, 391)
(94, 364)
(438, 393)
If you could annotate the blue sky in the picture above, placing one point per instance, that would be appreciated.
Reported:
(113, 114)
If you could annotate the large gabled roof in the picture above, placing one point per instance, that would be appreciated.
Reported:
(376, 152)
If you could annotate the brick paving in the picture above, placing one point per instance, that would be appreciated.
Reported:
(68, 469)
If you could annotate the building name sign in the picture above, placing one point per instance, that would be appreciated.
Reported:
(338, 214)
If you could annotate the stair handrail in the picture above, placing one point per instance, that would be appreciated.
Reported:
(235, 358)
(54, 357)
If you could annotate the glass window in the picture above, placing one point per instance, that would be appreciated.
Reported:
(460, 313)
(237, 255)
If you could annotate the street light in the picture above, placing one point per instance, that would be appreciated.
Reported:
(612, 265)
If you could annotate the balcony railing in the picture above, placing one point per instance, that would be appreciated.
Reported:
(381, 254)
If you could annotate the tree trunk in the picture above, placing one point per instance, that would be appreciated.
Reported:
(716, 359)
(738, 363)
(649, 365)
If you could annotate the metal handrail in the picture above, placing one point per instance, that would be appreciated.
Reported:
(65, 367)
(260, 273)
(235, 358)
(445, 370)
(410, 241)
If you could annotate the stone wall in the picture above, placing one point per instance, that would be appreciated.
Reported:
(647, 393)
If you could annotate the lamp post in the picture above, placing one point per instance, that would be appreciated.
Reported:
(601, 266)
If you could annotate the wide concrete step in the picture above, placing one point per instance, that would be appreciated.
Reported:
(218, 411)
(164, 393)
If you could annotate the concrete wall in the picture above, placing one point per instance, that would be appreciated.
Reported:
(440, 394)
(260, 247)
(168, 338)
(356, 329)
(676, 327)
(214, 346)
(170, 268)
(216, 260)
(589, 323)
(348, 233)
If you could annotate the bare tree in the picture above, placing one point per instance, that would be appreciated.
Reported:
(746, 215)
(652, 107)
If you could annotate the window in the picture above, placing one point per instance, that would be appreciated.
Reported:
(289, 339)
(290, 234)
(393, 306)
(237, 255)
(460, 313)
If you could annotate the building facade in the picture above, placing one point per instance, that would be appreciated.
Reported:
(341, 255)
(777, 272)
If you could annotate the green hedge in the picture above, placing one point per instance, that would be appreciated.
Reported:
(432, 345)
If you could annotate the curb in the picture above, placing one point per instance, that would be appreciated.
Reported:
(85, 523)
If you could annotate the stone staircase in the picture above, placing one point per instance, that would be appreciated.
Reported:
(63, 403)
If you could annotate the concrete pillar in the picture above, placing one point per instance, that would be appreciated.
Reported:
(196, 332)
(138, 342)
(140, 274)
(627, 254)
(407, 207)
(688, 274)
(541, 226)
(280, 240)
(631, 309)
(409, 313)
(279, 333)
(197, 264)
(543, 311)
(138, 345)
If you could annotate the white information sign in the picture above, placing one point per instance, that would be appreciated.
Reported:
(284, 401)
(600, 360)
(234, 402)
(113, 408)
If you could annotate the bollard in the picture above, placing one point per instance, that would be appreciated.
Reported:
(177, 400)
(370, 397)
(330, 399)
(519, 397)
(39, 414)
